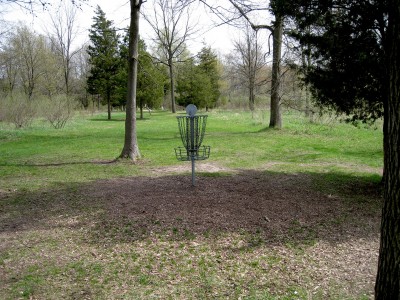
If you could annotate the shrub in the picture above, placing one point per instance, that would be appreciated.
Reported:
(58, 110)
(18, 110)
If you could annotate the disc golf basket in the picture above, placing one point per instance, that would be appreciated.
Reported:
(192, 129)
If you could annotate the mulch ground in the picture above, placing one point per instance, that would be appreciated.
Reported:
(339, 232)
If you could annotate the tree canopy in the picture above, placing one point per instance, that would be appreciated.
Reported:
(346, 41)
(150, 79)
(103, 57)
(198, 81)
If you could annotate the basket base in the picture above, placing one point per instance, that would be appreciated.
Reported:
(201, 153)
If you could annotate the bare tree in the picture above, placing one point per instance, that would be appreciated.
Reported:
(29, 50)
(249, 62)
(80, 69)
(131, 148)
(246, 9)
(172, 26)
(8, 69)
(62, 36)
(31, 5)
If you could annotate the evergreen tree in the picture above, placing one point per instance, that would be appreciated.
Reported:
(347, 44)
(103, 58)
(150, 80)
(208, 64)
(193, 85)
(355, 50)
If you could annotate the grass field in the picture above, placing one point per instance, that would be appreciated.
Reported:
(76, 225)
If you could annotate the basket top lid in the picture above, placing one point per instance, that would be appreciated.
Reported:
(191, 110)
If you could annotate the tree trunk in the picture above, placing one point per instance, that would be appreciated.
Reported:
(131, 148)
(251, 97)
(388, 277)
(172, 81)
(275, 118)
(306, 62)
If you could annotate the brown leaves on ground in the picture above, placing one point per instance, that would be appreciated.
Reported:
(337, 235)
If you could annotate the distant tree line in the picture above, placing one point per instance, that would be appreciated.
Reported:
(49, 69)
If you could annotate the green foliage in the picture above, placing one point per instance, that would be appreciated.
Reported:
(208, 63)
(193, 85)
(347, 44)
(150, 79)
(198, 82)
(103, 56)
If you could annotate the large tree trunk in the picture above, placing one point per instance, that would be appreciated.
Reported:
(172, 82)
(388, 277)
(275, 113)
(131, 149)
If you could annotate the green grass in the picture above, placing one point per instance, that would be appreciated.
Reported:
(39, 156)
(57, 242)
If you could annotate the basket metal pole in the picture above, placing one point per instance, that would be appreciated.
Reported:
(193, 172)
(191, 129)
(192, 148)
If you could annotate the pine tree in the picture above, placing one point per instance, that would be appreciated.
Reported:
(150, 80)
(103, 58)
(208, 64)
(193, 85)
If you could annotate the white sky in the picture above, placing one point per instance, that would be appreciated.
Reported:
(219, 38)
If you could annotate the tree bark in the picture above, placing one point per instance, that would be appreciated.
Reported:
(275, 118)
(172, 82)
(251, 94)
(131, 148)
(388, 277)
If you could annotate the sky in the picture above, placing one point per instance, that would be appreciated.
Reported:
(219, 38)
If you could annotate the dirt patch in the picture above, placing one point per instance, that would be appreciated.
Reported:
(283, 229)
(339, 238)
(250, 200)
(186, 167)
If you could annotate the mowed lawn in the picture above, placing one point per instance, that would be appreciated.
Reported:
(275, 214)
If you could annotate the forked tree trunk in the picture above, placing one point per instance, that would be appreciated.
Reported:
(275, 113)
(131, 148)
(388, 277)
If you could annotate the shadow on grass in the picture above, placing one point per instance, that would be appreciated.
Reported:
(271, 208)
(119, 119)
(59, 164)
(107, 120)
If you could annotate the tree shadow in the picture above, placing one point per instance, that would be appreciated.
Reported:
(265, 207)
(107, 120)
(60, 164)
